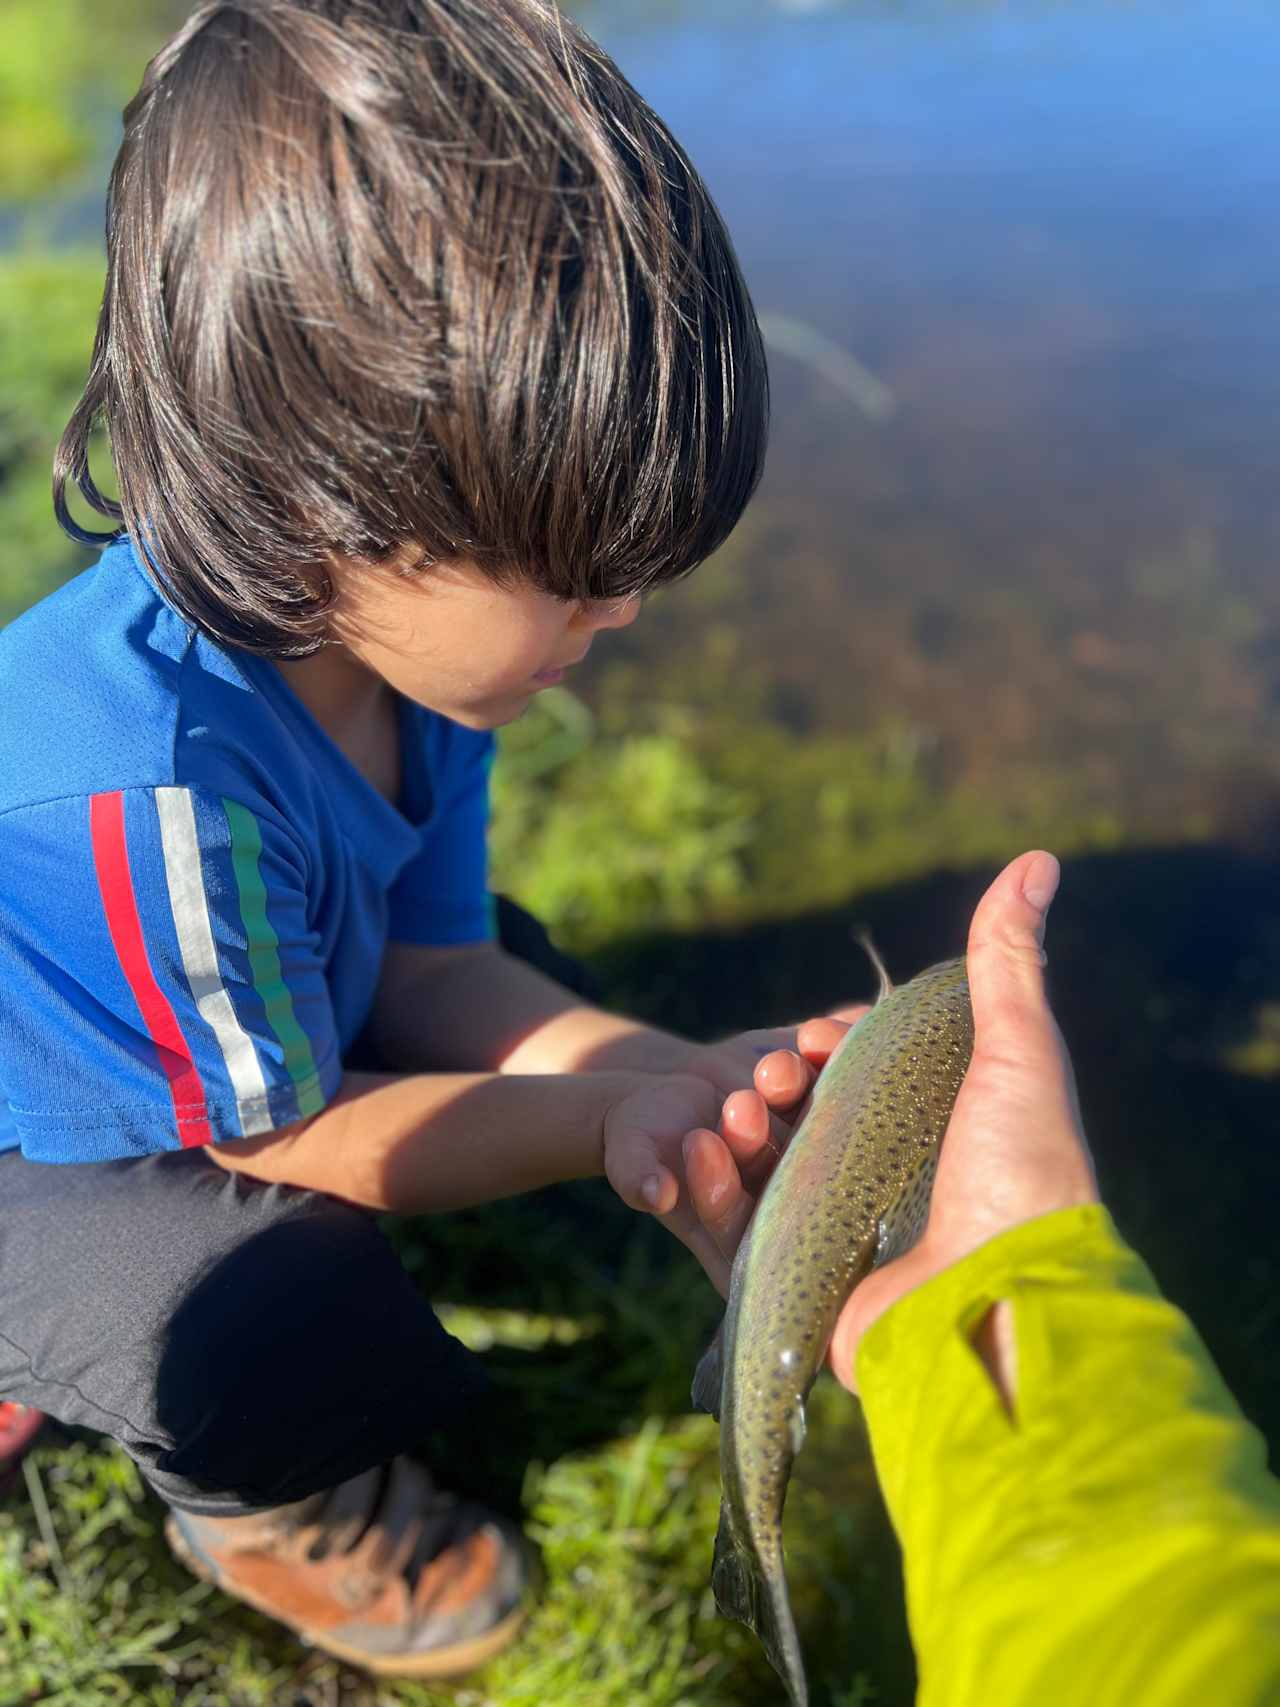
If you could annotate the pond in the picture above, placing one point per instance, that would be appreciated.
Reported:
(1018, 272)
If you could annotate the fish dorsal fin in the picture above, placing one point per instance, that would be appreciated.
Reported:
(708, 1377)
(886, 982)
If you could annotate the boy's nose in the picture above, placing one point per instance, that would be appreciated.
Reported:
(611, 613)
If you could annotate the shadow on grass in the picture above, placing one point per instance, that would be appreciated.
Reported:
(1166, 978)
(1165, 975)
(1164, 965)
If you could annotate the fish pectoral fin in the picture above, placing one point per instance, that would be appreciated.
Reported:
(904, 1221)
(798, 1423)
(754, 1591)
(708, 1377)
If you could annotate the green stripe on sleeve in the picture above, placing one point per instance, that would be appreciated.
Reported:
(264, 958)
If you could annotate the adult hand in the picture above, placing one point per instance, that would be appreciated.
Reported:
(698, 1160)
(1014, 1148)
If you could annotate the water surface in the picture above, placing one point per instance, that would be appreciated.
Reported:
(1049, 232)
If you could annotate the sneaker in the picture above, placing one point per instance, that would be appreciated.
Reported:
(19, 1426)
(385, 1571)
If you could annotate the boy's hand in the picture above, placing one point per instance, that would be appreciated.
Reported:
(674, 1148)
(730, 1064)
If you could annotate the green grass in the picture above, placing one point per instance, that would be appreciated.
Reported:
(618, 1484)
(589, 1319)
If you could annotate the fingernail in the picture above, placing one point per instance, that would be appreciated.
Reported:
(651, 1190)
(1040, 881)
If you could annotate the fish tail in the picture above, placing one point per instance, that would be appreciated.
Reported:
(752, 1588)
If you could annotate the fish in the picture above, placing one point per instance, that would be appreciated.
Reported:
(851, 1191)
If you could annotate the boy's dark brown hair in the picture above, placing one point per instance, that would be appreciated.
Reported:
(410, 271)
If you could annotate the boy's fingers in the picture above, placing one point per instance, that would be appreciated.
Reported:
(851, 1013)
(751, 1136)
(783, 1080)
(785, 1077)
(817, 1039)
(636, 1174)
(721, 1201)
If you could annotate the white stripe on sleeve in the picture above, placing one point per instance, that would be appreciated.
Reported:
(200, 958)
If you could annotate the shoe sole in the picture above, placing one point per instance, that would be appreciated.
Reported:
(453, 1661)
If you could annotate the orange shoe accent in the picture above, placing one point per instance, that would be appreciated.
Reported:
(351, 1571)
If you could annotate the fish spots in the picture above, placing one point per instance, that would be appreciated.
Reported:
(859, 1181)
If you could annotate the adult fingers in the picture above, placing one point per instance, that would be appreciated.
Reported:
(882, 1287)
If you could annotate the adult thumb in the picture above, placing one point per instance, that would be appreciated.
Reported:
(1013, 1148)
(1005, 959)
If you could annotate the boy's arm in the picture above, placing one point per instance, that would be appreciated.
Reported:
(477, 1008)
(424, 1143)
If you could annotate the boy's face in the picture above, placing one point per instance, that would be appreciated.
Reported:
(451, 640)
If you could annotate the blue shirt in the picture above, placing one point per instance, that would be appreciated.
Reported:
(197, 887)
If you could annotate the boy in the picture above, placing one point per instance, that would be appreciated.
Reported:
(424, 354)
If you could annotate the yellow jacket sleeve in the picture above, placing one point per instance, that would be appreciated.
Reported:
(1114, 1543)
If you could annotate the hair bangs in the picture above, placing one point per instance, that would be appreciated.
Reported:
(422, 273)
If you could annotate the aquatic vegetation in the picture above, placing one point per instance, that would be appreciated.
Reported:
(699, 819)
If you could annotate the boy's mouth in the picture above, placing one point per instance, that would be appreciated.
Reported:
(547, 678)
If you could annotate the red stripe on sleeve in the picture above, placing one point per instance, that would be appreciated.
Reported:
(111, 858)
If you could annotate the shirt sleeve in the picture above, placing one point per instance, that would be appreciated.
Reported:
(442, 896)
(1117, 1540)
(160, 985)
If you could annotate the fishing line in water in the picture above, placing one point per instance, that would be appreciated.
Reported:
(805, 344)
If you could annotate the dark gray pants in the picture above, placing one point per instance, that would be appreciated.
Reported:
(246, 1344)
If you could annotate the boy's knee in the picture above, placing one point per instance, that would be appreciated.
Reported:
(296, 1359)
